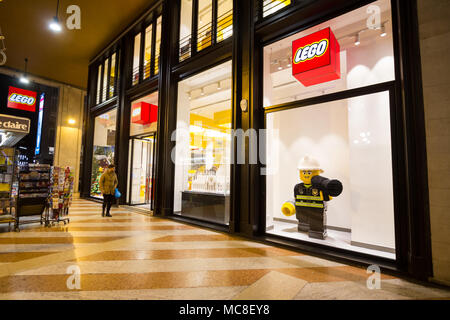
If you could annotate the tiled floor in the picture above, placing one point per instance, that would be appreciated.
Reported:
(132, 256)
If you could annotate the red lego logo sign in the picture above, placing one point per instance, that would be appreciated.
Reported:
(144, 113)
(22, 99)
(316, 58)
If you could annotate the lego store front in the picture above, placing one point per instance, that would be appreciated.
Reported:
(329, 167)
(143, 127)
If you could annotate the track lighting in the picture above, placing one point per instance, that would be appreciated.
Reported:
(383, 30)
(357, 39)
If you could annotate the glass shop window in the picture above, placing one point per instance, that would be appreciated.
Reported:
(105, 79)
(364, 56)
(210, 29)
(203, 146)
(185, 29)
(136, 59)
(99, 84)
(112, 79)
(271, 6)
(104, 148)
(329, 177)
(158, 44)
(204, 21)
(224, 20)
(148, 51)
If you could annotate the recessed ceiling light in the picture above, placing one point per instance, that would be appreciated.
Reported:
(357, 40)
(24, 80)
(383, 31)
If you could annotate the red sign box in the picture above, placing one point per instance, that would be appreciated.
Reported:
(144, 113)
(316, 58)
(22, 99)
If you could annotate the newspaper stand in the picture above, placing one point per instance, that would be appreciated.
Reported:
(60, 197)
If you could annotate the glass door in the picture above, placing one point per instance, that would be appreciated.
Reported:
(142, 176)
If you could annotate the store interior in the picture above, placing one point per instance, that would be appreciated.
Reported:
(350, 138)
(203, 138)
(142, 155)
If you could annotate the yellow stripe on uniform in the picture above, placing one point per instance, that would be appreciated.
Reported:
(318, 198)
(309, 204)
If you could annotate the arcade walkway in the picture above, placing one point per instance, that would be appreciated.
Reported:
(132, 256)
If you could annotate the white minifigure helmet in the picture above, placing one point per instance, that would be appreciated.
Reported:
(309, 163)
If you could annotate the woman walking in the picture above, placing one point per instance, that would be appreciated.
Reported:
(108, 184)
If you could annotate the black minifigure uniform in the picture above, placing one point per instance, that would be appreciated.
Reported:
(311, 209)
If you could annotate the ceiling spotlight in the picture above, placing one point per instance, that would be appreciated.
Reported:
(54, 25)
(23, 79)
(72, 121)
(357, 39)
(202, 92)
(218, 86)
(383, 31)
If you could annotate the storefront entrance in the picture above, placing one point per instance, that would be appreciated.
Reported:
(142, 171)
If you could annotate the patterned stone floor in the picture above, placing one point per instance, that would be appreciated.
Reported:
(133, 256)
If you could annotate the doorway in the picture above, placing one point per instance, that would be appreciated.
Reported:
(142, 171)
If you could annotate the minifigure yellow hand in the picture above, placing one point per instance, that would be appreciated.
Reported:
(288, 209)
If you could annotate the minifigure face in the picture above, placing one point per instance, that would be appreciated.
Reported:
(307, 175)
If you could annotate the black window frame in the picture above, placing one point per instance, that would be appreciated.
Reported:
(101, 77)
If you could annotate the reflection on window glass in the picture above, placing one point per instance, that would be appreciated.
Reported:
(203, 146)
(204, 24)
(105, 79)
(368, 62)
(112, 76)
(136, 58)
(99, 83)
(104, 145)
(272, 6)
(349, 137)
(224, 20)
(157, 44)
(148, 51)
(185, 29)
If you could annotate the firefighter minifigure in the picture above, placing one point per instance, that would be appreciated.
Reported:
(311, 196)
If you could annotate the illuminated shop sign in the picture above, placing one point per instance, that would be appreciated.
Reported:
(39, 130)
(316, 58)
(22, 99)
(16, 124)
(144, 113)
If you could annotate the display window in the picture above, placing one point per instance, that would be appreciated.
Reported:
(158, 44)
(185, 29)
(112, 77)
(271, 6)
(213, 24)
(148, 51)
(329, 164)
(99, 83)
(103, 148)
(136, 58)
(365, 57)
(224, 20)
(203, 146)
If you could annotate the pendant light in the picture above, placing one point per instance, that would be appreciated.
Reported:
(54, 25)
(23, 78)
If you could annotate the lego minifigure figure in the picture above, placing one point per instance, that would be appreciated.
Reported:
(311, 196)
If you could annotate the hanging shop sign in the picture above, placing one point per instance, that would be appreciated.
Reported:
(22, 99)
(316, 58)
(144, 113)
(15, 124)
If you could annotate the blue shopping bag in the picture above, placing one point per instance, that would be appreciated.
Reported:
(117, 193)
